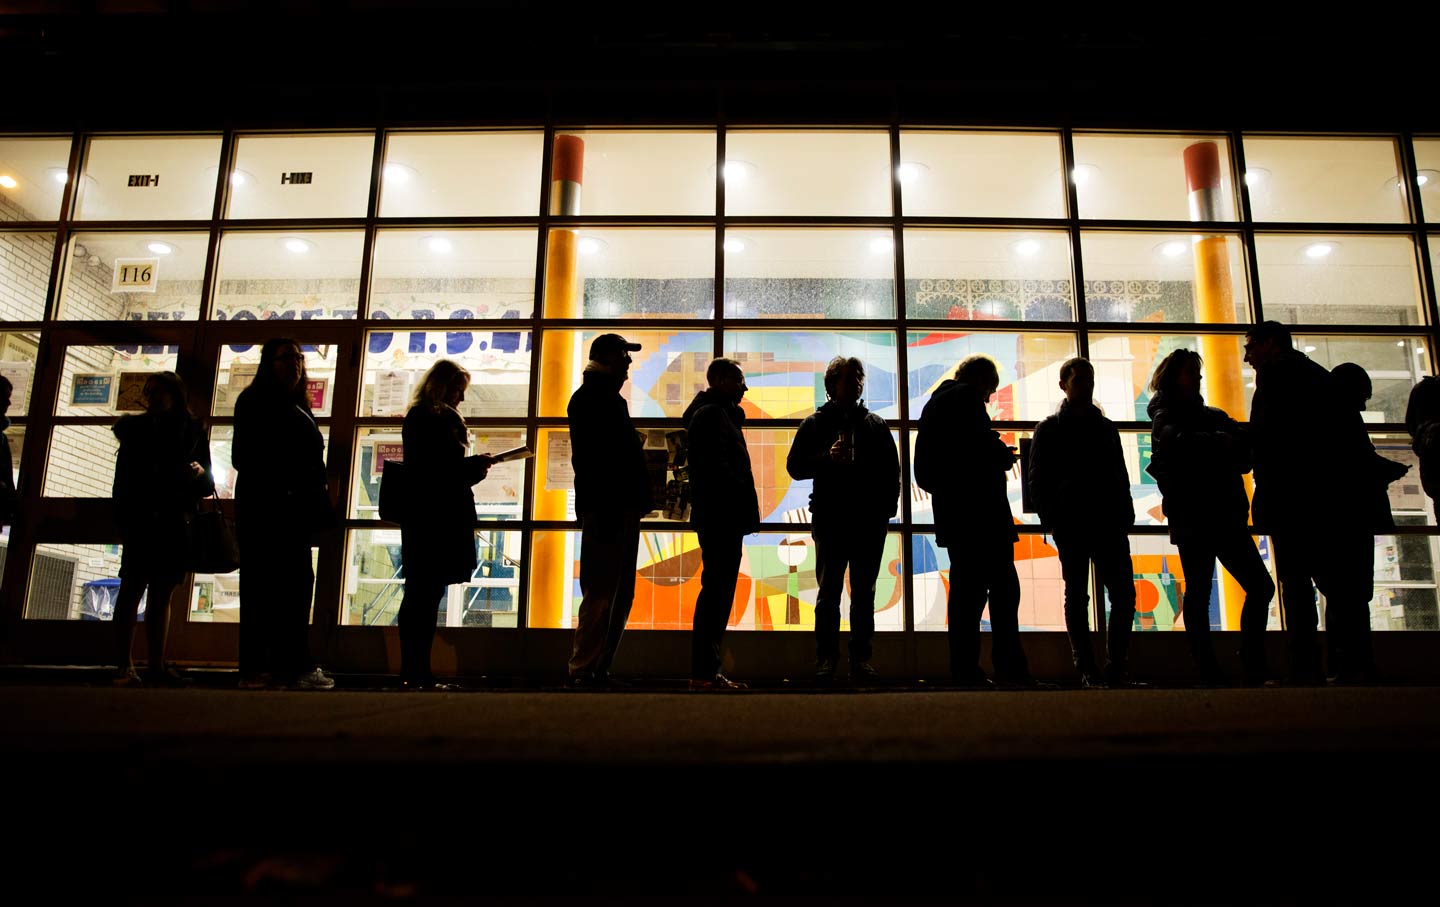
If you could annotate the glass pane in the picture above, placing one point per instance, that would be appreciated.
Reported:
(1405, 583)
(25, 260)
(1339, 279)
(1395, 365)
(17, 362)
(1165, 277)
(1427, 167)
(81, 462)
(73, 582)
(375, 583)
(305, 275)
(981, 174)
(107, 380)
(988, 275)
(630, 273)
(1029, 369)
(33, 173)
(628, 172)
(458, 174)
(301, 176)
(786, 369)
(1042, 593)
(1324, 180)
(498, 497)
(141, 178)
(14, 438)
(665, 375)
(1124, 364)
(459, 274)
(816, 173)
(782, 499)
(215, 598)
(239, 362)
(134, 276)
(1160, 585)
(775, 589)
(1409, 503)
(498, 361)
(1154, 177)
(222, 442)
(922, 507)
(809, 274)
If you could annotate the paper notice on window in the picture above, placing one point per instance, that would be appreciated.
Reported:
(392, 393)
(131, 395)
(559, 474)
(92, 390)
(20, 375)
(241, 374)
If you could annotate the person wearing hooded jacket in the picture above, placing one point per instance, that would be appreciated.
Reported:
(964, 464)
(724, 509)
(851, 457)
(1081, 489)
(1198, 457)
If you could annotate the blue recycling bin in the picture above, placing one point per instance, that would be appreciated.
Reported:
(97, 599)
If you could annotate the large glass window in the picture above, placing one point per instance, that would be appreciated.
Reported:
(459, 274)
(375, 582)
(301, 176)
(635, 172)
(1042, 592)
(33, 174)
(498, 497)
(1165, 277)
(1029, 366)
(239, 363)
(498, 361)
(17, 362)
(1395, 365)
(73, 582)
(988, 275)
(459, 174)
(808, 173)
(1326, 180)
(665, 374)
(1124, 365)
(294, 274)
(1160, 585)
(630, 273)
(134, 276)
(1309, 279)
(25, 260)
(981, 174)
(107, 380)
(137, 178)
(1153, 177)
(809, 274)
(785, 370)
(1427, 174)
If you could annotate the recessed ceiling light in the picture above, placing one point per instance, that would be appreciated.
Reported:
(1428, 177)
(8, 181)
(912, 171)
(1419, 350)
(1026, 248)
(160, 248)
(1254, 176)
(1084, 173)
(881, 244)
(1319, 250)
(589, 245)
(439, 245)
(239, 178)
(398, 174)
(1399, 343)
(1173, 249)
(1309, 349)
(59, 175)
(298, 246)
(738, 171)
(734, 245)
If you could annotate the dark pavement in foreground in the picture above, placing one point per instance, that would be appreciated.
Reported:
(1278, 795)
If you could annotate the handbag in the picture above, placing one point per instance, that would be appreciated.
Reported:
(394, 489)
(214, 547)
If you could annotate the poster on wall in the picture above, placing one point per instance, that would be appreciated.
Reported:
(385, 450)
(559, 475)
(501, 486)
(130, 398)
(135, 275)
(20, 375)
(315, 390)
(239, 378)
(392, 393)
(92, 390)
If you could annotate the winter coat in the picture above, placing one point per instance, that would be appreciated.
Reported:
(438, 534)
(866, 489)
(154, 484)
(606, 451)
(279, 459)
(1078, 480)
(722, 486)
(964, 465)
(1198, 456)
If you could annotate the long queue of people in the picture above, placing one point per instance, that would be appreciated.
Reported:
(1319, 494)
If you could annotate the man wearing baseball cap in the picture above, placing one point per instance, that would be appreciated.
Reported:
(612, 493)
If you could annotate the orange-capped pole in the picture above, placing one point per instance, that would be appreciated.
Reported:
(550, 570)
(1215, 304)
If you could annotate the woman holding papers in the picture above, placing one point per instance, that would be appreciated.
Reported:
(437, 528)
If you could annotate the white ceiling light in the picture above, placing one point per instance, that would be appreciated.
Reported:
(1254, 176)
(738, 171)
(589, 245)
(398, 174)
(734, 245)
(298, 246)
(1309, 349)
(8, 181)
(911, 172)
(439, 245)
(1426, 177)
(1319, 250)
(239, 178)
(160, 248)
(1026, 248)
(1173, 249)
(1084, 173)
(881, 245)
(59, 175)
(1399, 343)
